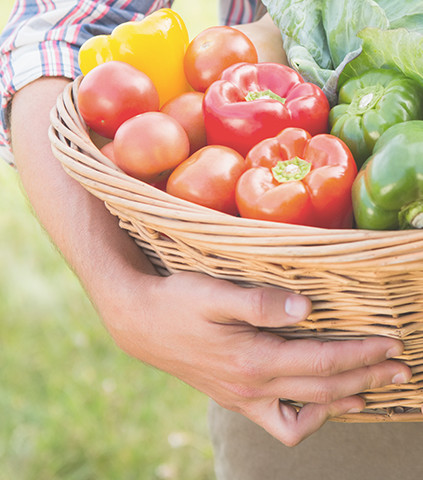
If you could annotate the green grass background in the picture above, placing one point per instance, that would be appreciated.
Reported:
(72, 405)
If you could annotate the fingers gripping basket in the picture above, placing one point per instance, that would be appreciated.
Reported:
(361, 283)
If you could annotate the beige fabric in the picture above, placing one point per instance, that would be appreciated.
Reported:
(338, 451)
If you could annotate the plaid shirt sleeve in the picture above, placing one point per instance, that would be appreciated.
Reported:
(42, 38)
(235, 12)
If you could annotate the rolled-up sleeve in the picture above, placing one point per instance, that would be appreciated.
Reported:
(42, 39)
(235, 12)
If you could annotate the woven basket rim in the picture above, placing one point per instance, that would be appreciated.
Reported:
(108, 167)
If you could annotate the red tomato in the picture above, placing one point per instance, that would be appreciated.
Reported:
(209, 178)
(113, 92)
(108, 151)
(149, 145)
(187, 108)
(212, 51)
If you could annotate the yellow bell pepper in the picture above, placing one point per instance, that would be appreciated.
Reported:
(156, 45)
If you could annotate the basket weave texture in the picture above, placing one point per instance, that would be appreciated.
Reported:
(361, 283)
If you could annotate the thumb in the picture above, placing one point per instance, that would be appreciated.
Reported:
(290, 426)
(261, 306)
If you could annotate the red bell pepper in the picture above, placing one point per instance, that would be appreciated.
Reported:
(251, 102)
(298, 179)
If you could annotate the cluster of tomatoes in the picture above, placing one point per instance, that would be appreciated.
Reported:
(166, 145)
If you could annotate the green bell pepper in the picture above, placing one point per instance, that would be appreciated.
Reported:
(371, 103)
(387, 193)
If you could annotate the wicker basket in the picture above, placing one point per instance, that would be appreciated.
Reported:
(361, 283)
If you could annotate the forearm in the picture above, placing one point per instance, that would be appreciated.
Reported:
(88, 236)
(267, 39)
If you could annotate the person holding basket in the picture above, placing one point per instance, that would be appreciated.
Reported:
(202, 330)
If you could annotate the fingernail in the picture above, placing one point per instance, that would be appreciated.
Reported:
(395, 351)
(354, 410)
(400, 378)
(297, 306)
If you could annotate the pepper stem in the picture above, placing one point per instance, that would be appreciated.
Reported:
(411, 216)
(294, 169)
(265, 94)
(365, 99)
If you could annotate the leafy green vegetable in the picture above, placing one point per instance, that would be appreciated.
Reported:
(396, 9)
(328, 41)
(342, 35)
(399, 49)
(411, 22)
(302, 22)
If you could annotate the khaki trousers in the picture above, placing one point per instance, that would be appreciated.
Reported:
(338, 451)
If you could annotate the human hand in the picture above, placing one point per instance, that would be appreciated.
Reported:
(206, 332)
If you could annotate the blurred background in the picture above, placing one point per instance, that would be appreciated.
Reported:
(72, 405)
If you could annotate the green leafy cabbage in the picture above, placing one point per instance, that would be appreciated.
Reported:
(329, 41)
